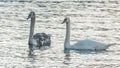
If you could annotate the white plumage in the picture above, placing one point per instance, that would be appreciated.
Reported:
(82, 44)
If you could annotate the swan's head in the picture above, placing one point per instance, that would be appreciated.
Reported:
(31, 15)
(66, 20)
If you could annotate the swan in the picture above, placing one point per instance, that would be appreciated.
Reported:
(37, 40)
(82, 44)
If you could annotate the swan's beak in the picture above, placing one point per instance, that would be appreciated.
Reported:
(29, 16)
(64, 21)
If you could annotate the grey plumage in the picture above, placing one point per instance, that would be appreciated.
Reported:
(42, 39)
(37, 40)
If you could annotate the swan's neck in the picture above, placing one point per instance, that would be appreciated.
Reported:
(67, 38)
(32, 25)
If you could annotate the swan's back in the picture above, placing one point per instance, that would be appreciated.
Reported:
(42, 39)
(90, 45)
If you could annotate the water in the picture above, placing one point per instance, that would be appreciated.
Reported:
(97, 20)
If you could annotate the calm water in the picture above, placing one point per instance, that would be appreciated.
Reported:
(94, 20)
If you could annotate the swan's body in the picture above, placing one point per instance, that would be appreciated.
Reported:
(89, 45)
(83, 44)
(38, 40)
(41, 39)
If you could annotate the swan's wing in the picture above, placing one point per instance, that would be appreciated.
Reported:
(39, 39)
(42, 39)
(90, 44)
(48, 40)
(35, 44)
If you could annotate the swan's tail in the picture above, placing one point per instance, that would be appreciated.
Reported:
(111, 44)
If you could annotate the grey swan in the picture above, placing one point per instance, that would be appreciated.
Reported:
(82, 44)
(38, 40)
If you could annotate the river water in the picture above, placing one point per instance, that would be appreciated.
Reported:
(94, 20)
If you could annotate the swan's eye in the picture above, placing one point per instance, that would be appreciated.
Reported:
(64, 20)
(32, 15)
(67, 19)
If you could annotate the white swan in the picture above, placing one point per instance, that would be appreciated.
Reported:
(83, 44)
(39, 39)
